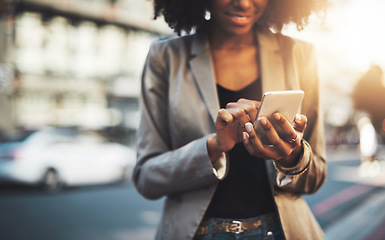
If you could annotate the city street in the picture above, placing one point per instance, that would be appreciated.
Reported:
(347, 207)
(351, 203)
(76, 75)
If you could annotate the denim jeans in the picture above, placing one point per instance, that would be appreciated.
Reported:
(264, 232)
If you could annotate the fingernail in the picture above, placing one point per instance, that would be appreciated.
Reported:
(244, 134)
(262, 121)
(277, 116)
(298, 118)
(249, 127)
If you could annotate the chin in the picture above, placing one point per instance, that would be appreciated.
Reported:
(240, 31)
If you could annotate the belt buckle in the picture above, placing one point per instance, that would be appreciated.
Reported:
(236, 226)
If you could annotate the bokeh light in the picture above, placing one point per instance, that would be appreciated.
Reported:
(349, 39)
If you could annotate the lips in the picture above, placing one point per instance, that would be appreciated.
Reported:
(239, 19)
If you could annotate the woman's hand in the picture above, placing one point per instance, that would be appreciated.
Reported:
(287, 150)
(229, 126)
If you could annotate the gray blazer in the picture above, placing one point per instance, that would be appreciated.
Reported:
(179, 105)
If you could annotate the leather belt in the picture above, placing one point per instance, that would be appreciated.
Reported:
(233, 226)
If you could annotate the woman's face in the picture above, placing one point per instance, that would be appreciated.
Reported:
(236, 17)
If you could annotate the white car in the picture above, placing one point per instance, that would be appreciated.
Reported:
(54, 157)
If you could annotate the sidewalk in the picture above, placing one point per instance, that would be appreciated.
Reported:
(365, 222)
(357, 212)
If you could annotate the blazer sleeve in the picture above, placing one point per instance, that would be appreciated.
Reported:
(310, 173)
(161, 170)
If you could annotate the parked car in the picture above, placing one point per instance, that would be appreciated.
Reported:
(65, 156)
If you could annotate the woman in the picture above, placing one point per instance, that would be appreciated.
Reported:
(200, 96)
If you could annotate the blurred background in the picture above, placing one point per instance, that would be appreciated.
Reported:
(69, 87)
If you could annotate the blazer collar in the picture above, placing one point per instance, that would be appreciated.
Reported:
(271, 62)
(271, 67)
(203, 71)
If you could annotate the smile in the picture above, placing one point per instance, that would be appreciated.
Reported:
(238, 19)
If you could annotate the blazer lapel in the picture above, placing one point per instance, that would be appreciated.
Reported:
(272, 68)
(203, 72)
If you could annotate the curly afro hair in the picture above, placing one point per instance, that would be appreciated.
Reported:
(185, 15)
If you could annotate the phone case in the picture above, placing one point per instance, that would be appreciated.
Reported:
(288, 103)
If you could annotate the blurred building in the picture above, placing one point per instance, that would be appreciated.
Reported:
(73, 62)
(346, 47)
(368, 96)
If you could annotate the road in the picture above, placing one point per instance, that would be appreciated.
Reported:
(118, 212)
(351, 203)
(90, 213)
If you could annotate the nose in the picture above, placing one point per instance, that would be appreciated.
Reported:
(243, 4)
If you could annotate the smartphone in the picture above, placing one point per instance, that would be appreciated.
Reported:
(287, 103)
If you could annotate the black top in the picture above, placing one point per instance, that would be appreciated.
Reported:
(245, 191)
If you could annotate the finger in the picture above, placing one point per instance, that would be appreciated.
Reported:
(300, 123)
(248, 145)
(238, 113)
(248, 101)
(223, 118)
(253, 137)
(244, 107)
(225, 115)
(281, 147)
(251, 107)
(286, 127)
(255, 147)
(251, 148)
